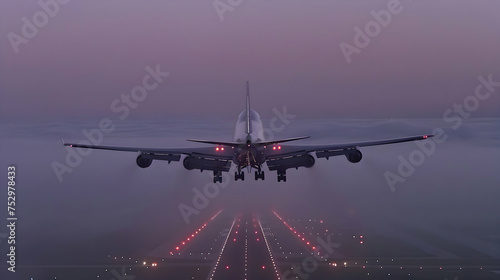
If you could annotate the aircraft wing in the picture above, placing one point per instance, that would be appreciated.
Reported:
(207, 158)
(297, 154)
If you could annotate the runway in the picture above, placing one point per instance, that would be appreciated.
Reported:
(268, 245)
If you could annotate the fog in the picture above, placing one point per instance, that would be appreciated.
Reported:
(108, 204)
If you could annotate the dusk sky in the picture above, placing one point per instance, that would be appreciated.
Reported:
(426, 59)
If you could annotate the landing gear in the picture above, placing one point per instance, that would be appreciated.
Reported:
(217, 176)
(239, 175)
(281, 175)
(259, 175)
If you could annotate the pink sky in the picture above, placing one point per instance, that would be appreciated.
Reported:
(92, 52)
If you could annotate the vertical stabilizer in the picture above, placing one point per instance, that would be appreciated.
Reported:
(248, 128)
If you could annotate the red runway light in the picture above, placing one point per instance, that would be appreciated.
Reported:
(177, 248)
(263, 267)
(227, 266)
(217, 148)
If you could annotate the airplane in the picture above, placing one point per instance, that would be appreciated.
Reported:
(250, 150)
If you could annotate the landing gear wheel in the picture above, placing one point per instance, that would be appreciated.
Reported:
(281, 175)
(259, 175)
(239, 175)
(217, 176)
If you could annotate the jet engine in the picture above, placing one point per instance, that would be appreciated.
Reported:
(354, 156)
(191, 162)
(302, 160)
(143, 162)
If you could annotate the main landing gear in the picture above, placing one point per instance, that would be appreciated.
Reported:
(259, 174)
(217, 176)
(281, 175)
(239, 175)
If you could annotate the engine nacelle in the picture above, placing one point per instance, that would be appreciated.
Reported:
(191, 163)
(291, 162)
(354, 156)
(143, 162)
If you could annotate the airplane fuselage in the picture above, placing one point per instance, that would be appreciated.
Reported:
(248, 154)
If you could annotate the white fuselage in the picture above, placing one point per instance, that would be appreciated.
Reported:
(257, 129)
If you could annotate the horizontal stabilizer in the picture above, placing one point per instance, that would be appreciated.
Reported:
(282, 140)
(231, 144)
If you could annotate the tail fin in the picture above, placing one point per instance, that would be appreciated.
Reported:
(248, 128)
